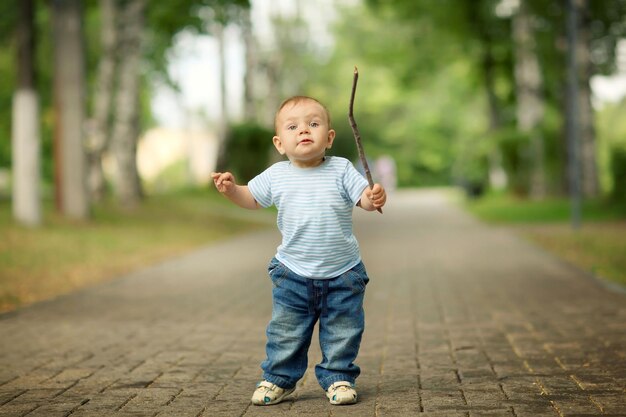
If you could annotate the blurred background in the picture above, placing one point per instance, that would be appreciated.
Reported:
(114, 112)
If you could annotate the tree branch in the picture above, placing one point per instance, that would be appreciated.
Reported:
(357, 135)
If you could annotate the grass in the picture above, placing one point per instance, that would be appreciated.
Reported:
(62, 255)
(598, 246)
(507, 209)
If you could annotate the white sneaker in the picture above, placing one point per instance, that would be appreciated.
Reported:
(341, 392)
(267, 393)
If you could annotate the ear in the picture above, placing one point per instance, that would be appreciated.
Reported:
(331, 138)
(278, 145)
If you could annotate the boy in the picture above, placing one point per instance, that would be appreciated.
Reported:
(317, 271)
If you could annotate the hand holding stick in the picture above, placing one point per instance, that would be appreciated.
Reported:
(357, 135)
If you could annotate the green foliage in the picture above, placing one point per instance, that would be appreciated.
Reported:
(166, 19)
(248, 150)
(344, 144)
(431, 36)
(417, 97)
(555, 160)
(8, 20)
(618, 174)
(611, 129)
(45, 88)
(7, 82)
(512, 145)
(421, 95)
(8, 17)
(608, 27)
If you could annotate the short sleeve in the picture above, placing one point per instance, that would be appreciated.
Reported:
(261, 188)
(354, 183)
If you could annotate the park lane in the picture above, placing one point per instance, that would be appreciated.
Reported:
(462, 320)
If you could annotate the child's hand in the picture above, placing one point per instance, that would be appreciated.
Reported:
(377, 196)
(224, 182)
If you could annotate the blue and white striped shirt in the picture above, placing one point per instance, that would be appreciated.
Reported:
(314, 214)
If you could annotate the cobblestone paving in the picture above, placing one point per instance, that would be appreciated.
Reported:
(462, 320)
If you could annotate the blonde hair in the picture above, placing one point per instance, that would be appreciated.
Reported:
(296, 100)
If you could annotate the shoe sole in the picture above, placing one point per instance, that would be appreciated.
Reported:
(345, 401)
(277, 399)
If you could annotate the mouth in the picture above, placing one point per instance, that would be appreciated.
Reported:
(305, 141)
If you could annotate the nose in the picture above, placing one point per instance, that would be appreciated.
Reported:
(304, 128)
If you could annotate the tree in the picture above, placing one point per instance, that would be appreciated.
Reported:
(100, 127)
(534, 150)
(493, 37)
(126, 130)
(69, 88)
(76, 59)
(217, 28)
(26, 135)
(222, 14)
(159, 22)
(8, 82)
(588, 159)
(530, 105)
(572, 113)
(250, 46)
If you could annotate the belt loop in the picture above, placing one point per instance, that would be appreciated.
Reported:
(324, 297)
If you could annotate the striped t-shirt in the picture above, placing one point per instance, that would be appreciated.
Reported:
(314, 214)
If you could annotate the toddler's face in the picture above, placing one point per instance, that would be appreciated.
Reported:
(303, 133)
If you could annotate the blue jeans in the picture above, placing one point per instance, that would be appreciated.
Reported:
(298, 303)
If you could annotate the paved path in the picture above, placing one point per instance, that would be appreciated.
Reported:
(462, 320)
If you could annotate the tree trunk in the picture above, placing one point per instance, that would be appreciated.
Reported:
(100, 129)
(126, 116)
(224, 120)
(69, 83)
(589, 174)
(572, 113)
(249, 105)
(497, 175)
(26, 147)
(272, 86)
(530, 106)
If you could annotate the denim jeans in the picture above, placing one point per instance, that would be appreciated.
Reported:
(298, 303)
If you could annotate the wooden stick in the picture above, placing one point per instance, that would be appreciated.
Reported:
(357, 135)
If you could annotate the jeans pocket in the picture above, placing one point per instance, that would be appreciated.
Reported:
(277, 271)
(356, 278)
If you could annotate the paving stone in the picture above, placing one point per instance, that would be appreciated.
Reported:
(462, 319)
(12, 410)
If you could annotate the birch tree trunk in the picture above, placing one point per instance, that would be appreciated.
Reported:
(69, 86)
(587, 140)
(100, 129)
(530, 106)
(126, 115)
(26, 147)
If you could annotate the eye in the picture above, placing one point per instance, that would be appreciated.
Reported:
(291, 127)
(314, 124)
